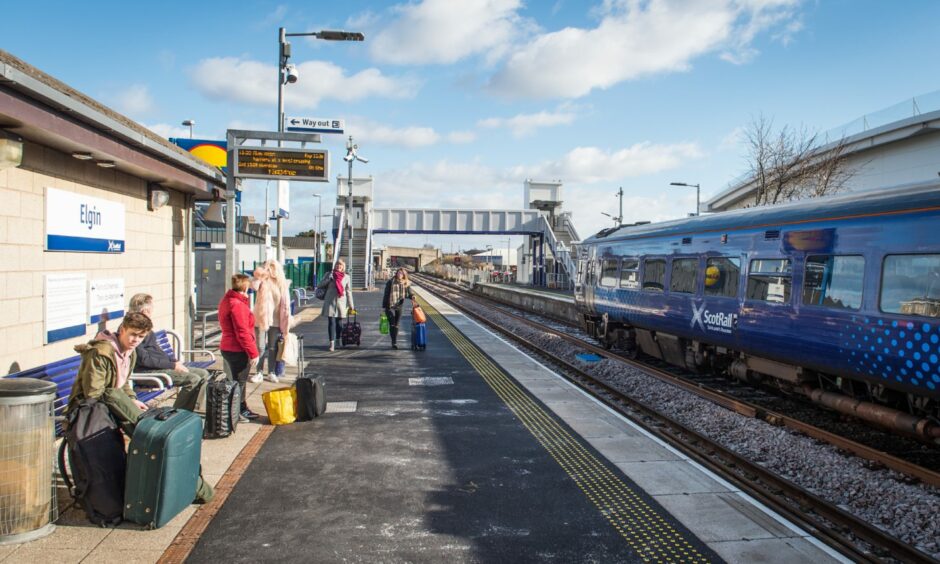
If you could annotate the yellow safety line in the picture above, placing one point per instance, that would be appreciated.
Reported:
(644, 528)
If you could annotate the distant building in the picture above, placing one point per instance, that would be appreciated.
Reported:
(882, 150)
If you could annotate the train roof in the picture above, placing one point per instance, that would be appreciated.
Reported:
(907, 197)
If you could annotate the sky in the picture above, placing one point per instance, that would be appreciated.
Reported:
(456, 103)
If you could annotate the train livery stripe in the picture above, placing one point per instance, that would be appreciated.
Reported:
(646, 531)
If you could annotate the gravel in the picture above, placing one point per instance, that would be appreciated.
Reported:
(879, 496)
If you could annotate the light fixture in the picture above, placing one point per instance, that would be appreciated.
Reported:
(157, 197)
(189, 123)
(213, 213)
(106, 164)
(82, 156)
(11, 150)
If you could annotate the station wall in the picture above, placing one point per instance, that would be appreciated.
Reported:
(153, 260)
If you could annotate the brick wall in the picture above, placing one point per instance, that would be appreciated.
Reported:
(153, 260)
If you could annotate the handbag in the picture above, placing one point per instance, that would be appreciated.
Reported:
(280, 405)
(418, 314)
(320, 292)
(287, 349)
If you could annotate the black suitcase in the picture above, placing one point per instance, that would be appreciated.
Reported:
(352, 331)
(223, 404)
(311, 396)
(96, 460)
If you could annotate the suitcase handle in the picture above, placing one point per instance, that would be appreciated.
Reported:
(167, 414)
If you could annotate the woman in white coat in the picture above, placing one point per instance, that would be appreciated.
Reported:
(337, 301)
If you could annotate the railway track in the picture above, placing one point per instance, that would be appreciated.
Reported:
(831, 524)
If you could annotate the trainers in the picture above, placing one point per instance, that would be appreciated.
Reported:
(242, 418)
(331, 346)
(272, 378)
(248, 415)
(394, 346)
(255, 378)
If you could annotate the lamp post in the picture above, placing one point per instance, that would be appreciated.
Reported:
(189, 123)
(352, 155)
(317, 239)
(287, 74)
(697, 190)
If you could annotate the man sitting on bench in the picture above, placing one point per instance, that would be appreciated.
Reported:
(189, 381)
(105, 370)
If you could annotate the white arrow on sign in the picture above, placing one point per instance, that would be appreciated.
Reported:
(314, 125)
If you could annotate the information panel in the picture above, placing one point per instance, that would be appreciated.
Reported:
(66, 303)
(105, 299)
(282, 164)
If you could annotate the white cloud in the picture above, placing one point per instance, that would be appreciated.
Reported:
(635, 39)
(591, 164)
(444, 31)
(252, 82)
(524, 124)
(134, 100)
(367, 132)
(461, 137)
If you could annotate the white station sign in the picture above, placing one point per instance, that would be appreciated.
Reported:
(66, 304)
(314, 125)
(105, 299)
(85, 224)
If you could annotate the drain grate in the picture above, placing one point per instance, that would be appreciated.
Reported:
(440, 381)
(342, 406)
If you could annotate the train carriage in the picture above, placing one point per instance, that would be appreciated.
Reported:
(838, 294)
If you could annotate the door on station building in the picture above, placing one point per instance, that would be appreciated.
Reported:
(210, 277)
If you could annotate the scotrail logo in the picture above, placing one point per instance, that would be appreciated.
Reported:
(708, 321)
(114, 246)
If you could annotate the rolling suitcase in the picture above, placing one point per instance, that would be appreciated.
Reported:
(162, 466)
(419, 336)
(311, 396)
(223, 403)
(352, 332)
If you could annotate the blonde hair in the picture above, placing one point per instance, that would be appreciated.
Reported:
(279, 287)
(404, 276)
(140, 302)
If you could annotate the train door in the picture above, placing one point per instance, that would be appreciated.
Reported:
(587, 278)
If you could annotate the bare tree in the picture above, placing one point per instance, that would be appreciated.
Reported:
(790, 164)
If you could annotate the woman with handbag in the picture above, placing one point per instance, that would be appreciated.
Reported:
(275, 315)
(397, 289)
(337, 300)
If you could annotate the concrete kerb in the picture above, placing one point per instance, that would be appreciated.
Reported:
(75, 539)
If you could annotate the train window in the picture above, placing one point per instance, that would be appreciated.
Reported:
(834, 282)
(721, 276)
(609, 272)
(630, 274)
(910, 285)
(684, 272)
(654, 274)
(768, 280)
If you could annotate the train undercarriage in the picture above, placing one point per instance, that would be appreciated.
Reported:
(914, 415)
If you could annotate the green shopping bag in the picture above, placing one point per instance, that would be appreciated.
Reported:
(383, 324)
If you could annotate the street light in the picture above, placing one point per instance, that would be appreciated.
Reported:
(352, 155)
(287, 74)
(697, 190)
(189, 123)
(319, 243)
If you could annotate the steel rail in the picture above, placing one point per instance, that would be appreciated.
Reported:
(779, 493)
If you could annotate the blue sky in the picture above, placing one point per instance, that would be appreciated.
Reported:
(455, 103)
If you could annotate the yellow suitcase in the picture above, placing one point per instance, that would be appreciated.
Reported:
(280, 405)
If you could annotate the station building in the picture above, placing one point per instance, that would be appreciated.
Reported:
(95, 208)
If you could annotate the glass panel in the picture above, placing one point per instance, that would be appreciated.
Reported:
(609, 272)
(910, 284)
(654, 274)
(764, 285)
(684, 272)
(630, 274)
(721, 277)
(834, 282)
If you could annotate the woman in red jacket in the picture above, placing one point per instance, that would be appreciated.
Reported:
(238, 336)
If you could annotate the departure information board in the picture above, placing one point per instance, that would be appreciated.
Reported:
(282, 164)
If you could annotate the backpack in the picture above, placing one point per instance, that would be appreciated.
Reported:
(96, 460)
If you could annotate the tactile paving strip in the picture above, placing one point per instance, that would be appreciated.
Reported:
(646, 531)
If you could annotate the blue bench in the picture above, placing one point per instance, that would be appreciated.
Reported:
(147, 385)
(164, 336)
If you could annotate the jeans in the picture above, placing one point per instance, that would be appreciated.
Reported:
(334, 327)
(394, 317)
(190, 386)
(236, 366)
(267, 347)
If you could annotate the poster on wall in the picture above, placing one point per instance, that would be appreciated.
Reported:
(84, 224)
(105, 299)
(65, 306)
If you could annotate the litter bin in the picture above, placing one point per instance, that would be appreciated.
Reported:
(27, 459)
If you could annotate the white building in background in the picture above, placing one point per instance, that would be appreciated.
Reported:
(896, 146)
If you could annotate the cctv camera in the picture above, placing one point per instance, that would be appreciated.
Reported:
(291, 74)
(348, 158)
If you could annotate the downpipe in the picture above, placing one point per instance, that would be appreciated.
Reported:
(874, 413)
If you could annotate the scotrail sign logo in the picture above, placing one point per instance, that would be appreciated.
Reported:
(80, 223)
(721, 322)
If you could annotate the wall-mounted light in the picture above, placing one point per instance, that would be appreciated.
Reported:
(11, 150)
(82, 156)
(157, 197)
(106, 164)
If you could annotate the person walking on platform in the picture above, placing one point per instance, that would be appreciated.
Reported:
(238, 337)
(338, 300)
(397, 289)
(189, 381)
(266, 303)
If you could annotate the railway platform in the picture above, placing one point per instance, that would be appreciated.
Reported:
(472, 451)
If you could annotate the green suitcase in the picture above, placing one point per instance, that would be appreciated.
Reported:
(162, 466)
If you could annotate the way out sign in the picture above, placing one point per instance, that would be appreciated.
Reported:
(314, 125)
